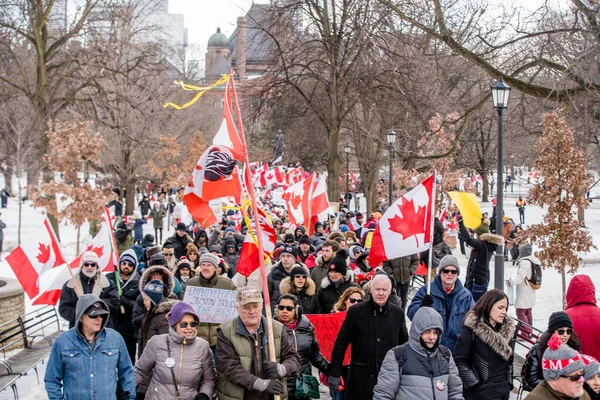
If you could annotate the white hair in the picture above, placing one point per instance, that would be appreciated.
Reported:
(381, 277)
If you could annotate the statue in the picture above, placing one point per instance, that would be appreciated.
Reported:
(278, 147)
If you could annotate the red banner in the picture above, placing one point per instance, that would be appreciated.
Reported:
(327, 327)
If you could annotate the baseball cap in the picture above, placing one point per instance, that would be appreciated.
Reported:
(247, 295)
(96, 309)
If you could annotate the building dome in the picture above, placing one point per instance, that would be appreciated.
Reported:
(218, 40)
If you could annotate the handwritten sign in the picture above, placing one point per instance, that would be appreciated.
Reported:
(211, 305)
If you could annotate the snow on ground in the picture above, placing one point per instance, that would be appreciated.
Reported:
(548, 297)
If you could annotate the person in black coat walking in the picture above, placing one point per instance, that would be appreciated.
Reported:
(144, 205)
(300, 285)
(281, 270)
(372, 327)
(302, 334)
(179, 241)
(339, 278)
(484, 352)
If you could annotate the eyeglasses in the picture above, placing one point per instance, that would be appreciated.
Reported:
(287, 308)
(299, 276)
(354, 301)
(450, 271)
(567, 331)
(90, 264)
(192, 324)
(573, 378)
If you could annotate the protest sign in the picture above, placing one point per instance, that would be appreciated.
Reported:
(211, 305)
(327, 327)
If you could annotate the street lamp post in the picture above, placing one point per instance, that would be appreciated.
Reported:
(347, 197)
(500, 95)
(391, 139)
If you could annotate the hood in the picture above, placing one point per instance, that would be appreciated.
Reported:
(491, 238)
(200, 234)
(499, 341)
(425, 318)
(167, 278)
(165, 305)
(285, 287)
(581, 291)
(132, 253)
(301, 228)
(525, 250)
(84, 303)
(229, 241)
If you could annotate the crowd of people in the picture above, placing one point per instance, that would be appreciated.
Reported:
(460, 344)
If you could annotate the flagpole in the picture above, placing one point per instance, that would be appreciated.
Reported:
(431, 230)
(261, 253)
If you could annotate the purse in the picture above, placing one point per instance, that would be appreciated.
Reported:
(307, 386)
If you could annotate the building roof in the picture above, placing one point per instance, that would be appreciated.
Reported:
(221, 67)
(259, 45)
(218, 40)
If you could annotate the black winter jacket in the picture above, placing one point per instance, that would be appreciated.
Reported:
(484, 357)
(478, 267)
(277, 274)
(330, 292)
(533, 375)
(307, 296)
(123, 321)
(179, 244)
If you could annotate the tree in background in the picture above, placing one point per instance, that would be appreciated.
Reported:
(72, 149)
(563, 172)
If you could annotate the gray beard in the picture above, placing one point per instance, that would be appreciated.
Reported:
(93, 274)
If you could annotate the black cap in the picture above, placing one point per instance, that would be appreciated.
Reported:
(289, 250)
(96, 309)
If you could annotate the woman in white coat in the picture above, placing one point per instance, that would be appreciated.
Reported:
(524, 293)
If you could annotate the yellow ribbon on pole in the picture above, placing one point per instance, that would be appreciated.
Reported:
(199, 89)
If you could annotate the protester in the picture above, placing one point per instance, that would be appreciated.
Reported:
(372, 328)
(563, 374)
(231, 252)
(337, 281)
(328, 250)
(483, 352)
(144, 206)
(448, 297)
(245, 338)
(421, 368)
(179, 241)
(304, 248)
(123, 237)
(169, 254)
(179, 354)
(300, 285)
(560, 324)
(90, 280)
(319, 233)
(525, 295)
(157, 214)
(351, 296)
(201, 238)
(585, 314)
(183, 272)
(402, 269)
(127, 288)
(521, 206)
(90, 358)
(193, 256)
(138, 228)
(592, 377)
(280, 271)
(302, 334)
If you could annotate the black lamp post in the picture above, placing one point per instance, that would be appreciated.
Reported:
(347, 197)
(500, 94)
(391, 139)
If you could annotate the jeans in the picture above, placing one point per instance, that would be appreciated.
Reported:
(522, 215)
(156, 230)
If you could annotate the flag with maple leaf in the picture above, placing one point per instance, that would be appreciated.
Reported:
(405, 227)
(249, 255)
(297, 200)
(38, 254)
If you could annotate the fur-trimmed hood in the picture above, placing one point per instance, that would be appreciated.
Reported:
(168, 279)
(286, 287)
(491, 238)
(498, 341)
(347, 278)
(165, 306)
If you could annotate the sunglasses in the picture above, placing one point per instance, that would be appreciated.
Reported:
(450, 271)
(90, 264)
(127, 263)
(287, 308)
(573, 378)
(192, 324)
(230, 247)
(299, 276)
(354, 301)
(95, 316)
(568, 331)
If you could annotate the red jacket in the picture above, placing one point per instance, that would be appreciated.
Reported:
(585, 314)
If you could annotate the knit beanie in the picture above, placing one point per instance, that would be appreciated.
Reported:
(592, 367)
(191, 249)
(338, 263)
(344, 228)
(129, 256)
(154, 290)
(559, 319)
(482, 228)
(209, 258)
(90, 256)
(179, 310)
(448, 261)
(560, 360)
(304, 239)
(288, 250)
(298, 270)
(183, 263)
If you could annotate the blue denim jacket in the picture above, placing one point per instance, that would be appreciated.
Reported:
(76, 372)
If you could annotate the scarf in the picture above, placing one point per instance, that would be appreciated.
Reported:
(292, 325)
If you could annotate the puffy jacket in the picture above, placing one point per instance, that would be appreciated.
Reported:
(484, 357)
(179, 244)
(452, 307)
(422, 370)
(153, 322)
(208, 331)
(478, 267)
(307, 296)
(402, 268)
(524, 293)
(585, 314)
(157, 214)
(330, 292)
(194, 367)
(138, 229)
(123, 321)
(320, 271)
(277, 274)
(231, 259)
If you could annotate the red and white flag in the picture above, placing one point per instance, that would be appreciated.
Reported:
(273, 176)
(297, 199)
(37, 255)
(227, 135)
(249, 255)
(405, 227)
(319, 202)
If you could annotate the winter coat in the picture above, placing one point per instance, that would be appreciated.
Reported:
(73, 361)
(99, 286)
(194, 367)
(452, 307)
(543, 391)
(179, 244)
(167, 278)
(277, 274)
(372, 331)
(138, 229)
(144, 205)
(153, 322)
(208, 331)
(2, 227)
(478, 267)
(123, 321)
(524, 293)
(330, 292)
(201, 238)
(593, 395)
(422, 370)
(484, 358)
(157, 215)
(585, 314)
(402, 268)
(307, 295)
(316, 237)
(320, 271)
(307, 347)
(123, 238)
(231, 259)
(240, 362)
(533, 376)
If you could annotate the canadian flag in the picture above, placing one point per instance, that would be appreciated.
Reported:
(273, 176)
(297, 199)
(249, 255)
(319, 202)
(405, 227)
(39, 254)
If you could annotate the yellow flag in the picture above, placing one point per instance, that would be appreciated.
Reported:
(468, 206)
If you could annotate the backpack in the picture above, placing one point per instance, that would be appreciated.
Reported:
(536, 276)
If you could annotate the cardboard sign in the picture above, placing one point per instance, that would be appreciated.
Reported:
(211, 305)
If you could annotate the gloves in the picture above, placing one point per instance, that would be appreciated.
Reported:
(122, 394)
(333, 382)
(274, 370)
(271, 386)
(427, 301)
(202, 396)
(123, 300)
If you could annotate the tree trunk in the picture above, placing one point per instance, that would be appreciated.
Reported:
(486, 187)
(8, 174)
(130, 196)
(563, 274)
(20, 203)
(333, 162)
(78, 237)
